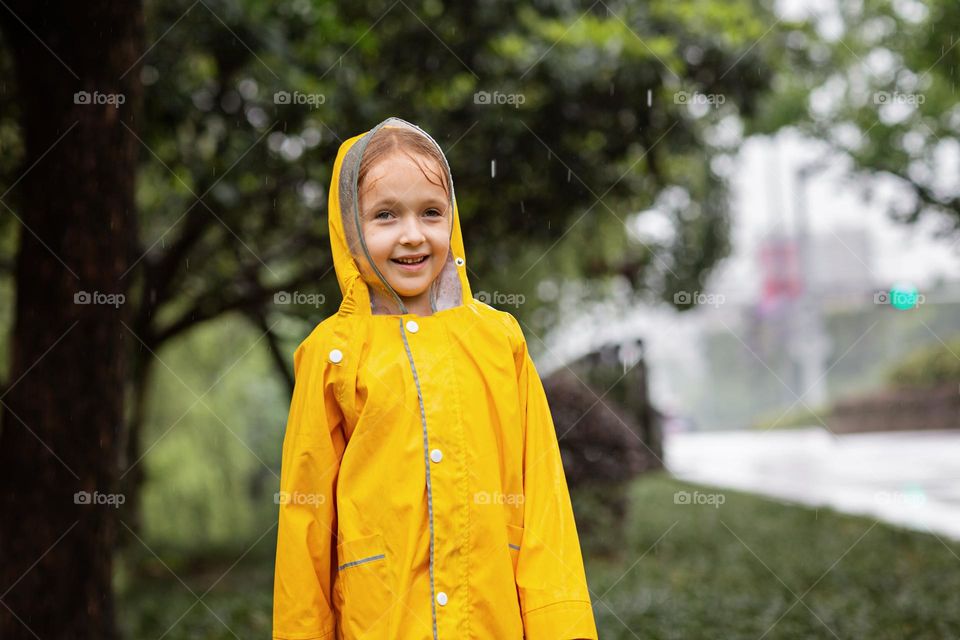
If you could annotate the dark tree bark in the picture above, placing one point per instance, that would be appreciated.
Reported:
(64, 402)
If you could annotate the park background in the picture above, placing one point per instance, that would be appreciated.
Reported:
(729, 230)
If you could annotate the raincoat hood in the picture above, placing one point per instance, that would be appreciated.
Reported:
(364, 288)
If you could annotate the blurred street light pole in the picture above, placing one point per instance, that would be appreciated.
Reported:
(809, 343)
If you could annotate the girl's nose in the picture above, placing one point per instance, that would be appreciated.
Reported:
(411, 233)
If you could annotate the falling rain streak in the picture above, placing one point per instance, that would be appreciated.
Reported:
(493, 168)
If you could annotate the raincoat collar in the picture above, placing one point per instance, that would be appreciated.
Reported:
(449, 289)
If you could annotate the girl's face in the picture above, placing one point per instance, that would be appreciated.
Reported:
(405, 220)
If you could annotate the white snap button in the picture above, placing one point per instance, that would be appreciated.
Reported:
(441, 598)
(336, 356)
(459, 261)
(412, 326)
(436, 455)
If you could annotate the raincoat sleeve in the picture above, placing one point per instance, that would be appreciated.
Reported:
(554, 598)
(312, 447)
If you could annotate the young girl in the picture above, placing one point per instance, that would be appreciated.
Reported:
(422, 494)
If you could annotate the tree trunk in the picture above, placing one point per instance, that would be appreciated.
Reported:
(64, 403)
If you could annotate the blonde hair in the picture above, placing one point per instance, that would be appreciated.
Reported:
(390, 139)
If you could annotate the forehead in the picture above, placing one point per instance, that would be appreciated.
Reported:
(400, 175)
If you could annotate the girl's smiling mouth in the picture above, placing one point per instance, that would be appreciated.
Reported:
(411, 263)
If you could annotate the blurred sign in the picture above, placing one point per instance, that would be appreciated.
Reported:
(780, 273)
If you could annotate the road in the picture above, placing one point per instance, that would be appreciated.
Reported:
(911, 479)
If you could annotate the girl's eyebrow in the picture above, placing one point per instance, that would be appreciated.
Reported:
(382, 202)
(389, 201)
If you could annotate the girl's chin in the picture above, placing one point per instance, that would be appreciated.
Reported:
(405, 292)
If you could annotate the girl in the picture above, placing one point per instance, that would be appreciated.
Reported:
(422, 494)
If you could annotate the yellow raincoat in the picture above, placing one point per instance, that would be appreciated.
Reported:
(422, 494)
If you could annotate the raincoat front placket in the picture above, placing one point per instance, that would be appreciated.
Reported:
(446, 478)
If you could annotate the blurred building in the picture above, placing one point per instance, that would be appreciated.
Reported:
(840, 270)
(814, 334)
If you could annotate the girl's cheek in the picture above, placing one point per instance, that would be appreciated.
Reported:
(379, 246)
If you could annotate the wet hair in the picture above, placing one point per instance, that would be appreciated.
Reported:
(388, 140)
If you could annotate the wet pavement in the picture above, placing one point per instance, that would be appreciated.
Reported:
(911, 479)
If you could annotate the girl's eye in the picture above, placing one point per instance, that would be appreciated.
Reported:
(433, 212)
(383, 215)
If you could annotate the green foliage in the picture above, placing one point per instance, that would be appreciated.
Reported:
(599, 513)
(212, 440)
(575, 162)
(929, 366)
(884, 94)
(158, 595)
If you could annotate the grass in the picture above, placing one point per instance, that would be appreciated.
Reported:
(732, 570)
(737, 570)
(155, 599)
(801, 418)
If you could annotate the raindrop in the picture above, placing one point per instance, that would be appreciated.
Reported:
(568, 175)
(522, 209)
(493, 168)
(649, 97)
